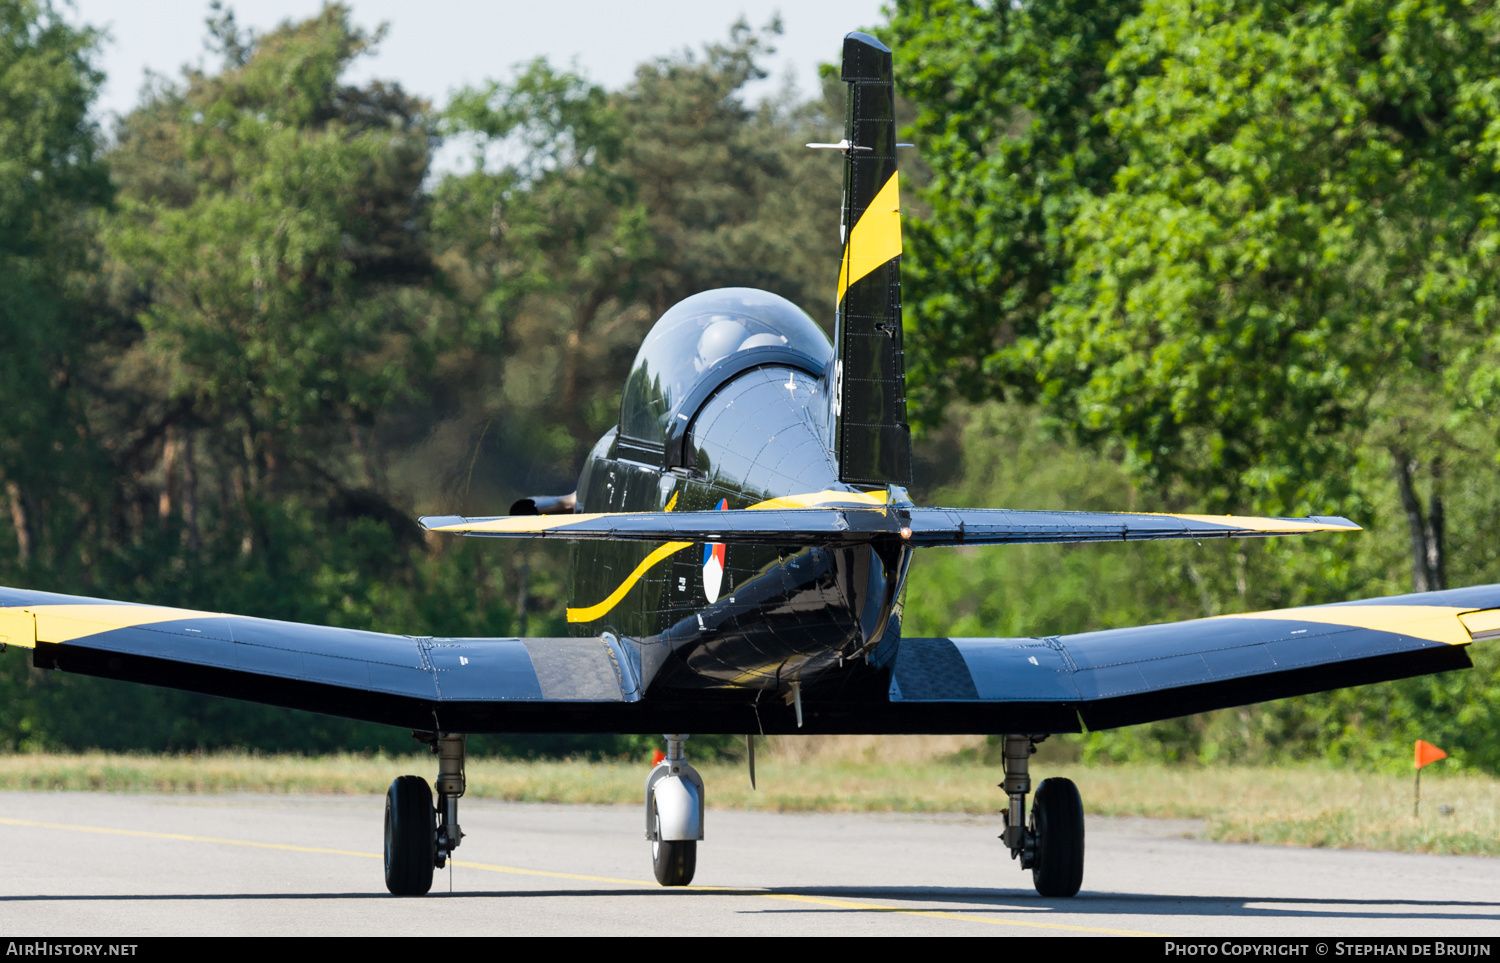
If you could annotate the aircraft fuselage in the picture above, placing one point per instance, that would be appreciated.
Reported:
(735, 616)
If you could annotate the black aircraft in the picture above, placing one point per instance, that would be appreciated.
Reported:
(741, 544)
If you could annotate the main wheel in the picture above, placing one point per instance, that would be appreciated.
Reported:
(410, 837)
(1057, 821)
(673, 860)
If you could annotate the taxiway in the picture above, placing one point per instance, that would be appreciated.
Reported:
(75, 864)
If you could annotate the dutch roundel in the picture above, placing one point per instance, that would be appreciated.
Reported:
(713, 562)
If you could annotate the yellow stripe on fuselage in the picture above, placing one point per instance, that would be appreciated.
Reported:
(807, 500)
(876, 237)
(597, 611)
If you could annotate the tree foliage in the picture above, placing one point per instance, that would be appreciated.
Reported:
(264, 336)
(1233, 255)
(1260, 239)
(1246, 249)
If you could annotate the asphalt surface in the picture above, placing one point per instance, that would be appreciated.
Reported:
(79, 864)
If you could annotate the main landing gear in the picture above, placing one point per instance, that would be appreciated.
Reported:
(418, 836)
(1051, 846)
(421, 837)
(674, 815)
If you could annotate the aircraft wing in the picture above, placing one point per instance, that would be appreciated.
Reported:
(410, 681)
(846, 524)
(1126, 676)
(936, 685)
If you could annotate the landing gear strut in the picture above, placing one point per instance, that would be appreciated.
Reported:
(1051, 845)
(418, 836)
(674, 815)
(450, 785)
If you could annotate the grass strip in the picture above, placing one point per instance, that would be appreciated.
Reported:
(1292, 806)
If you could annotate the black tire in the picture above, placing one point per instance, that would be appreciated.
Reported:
(1057, 817)
(410, 837)
(674, 861)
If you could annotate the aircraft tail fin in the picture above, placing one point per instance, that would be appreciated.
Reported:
(872, 441)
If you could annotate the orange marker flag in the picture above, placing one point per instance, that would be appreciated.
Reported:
(1427, 753)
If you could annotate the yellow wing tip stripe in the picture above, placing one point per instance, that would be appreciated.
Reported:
(1252, 523)
(26, 625)
(876, 237)
(18, 628)
(1482, 625)
(520, 524)
(1450, 625)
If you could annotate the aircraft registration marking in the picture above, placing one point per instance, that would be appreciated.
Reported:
(517, 871)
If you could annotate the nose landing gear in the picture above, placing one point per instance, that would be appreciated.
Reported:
(1051, 844)
(420, 837)
(674, 815)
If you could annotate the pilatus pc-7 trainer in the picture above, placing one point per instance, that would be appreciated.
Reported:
(742, 540)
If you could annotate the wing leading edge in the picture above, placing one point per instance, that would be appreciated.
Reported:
(1142, 674)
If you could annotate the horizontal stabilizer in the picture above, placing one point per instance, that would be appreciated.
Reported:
(832, 524)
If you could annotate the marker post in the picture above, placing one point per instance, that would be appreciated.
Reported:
(1426, 753)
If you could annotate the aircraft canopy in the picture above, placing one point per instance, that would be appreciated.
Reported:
(695, 336)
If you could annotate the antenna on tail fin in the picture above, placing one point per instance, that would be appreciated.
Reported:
(872, 441)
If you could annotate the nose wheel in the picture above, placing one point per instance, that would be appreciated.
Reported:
(674, 861)
(674, 816)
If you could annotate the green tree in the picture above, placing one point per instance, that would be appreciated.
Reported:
(288, 309)
(272, 226)
(1005, 114)
(52, 180)
(588, 213)
(52, 183)
(1254, 278)
(270, 298)
(1257, 241)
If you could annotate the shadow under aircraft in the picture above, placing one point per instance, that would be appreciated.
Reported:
(741, 544)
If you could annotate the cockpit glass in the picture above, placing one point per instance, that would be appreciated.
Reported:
(698, 332)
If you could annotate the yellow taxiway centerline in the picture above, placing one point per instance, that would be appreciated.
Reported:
(516, 871)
